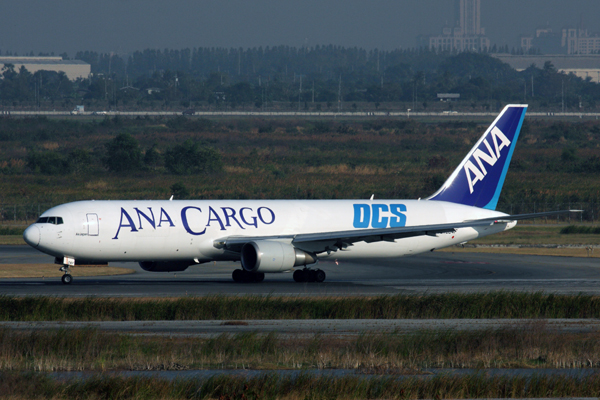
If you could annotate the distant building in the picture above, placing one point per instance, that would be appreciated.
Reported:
(583, 66)
(580, 41)
(467, 33)
(567, 41)
(74, 69)
(448, 96)
(545, 41)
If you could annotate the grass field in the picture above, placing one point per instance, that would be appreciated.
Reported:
(290, 159)
(527, 346)
(539, 234)
(51, 271)
(475, 305)
(302, 386)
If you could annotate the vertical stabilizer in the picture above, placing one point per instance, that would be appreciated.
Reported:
(479, 178)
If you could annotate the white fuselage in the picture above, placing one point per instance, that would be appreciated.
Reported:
(187, 229)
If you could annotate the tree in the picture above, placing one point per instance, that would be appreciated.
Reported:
(179, 191)
(48, 163)
(123, 154)
(190, 158)
(152, 157)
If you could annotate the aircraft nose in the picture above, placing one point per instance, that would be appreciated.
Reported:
(32, 235)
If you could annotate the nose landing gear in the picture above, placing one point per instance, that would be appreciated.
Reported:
(66, 278)
(309, 275)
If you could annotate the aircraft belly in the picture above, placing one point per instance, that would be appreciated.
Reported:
(407, 246)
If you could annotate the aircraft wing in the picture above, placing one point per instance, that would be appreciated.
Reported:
(339, 240)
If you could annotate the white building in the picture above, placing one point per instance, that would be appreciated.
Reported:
(583, 66)
(580, 41)
(74, 69)
(467, 35)
(568, 41)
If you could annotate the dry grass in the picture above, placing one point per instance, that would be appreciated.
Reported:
(524, 234)
(50, 146)
(96, 185)
(344, 169)
(11, 240)
(235, 308)
(51, 271)
(533, 251)
(230, 169)
(89, 349)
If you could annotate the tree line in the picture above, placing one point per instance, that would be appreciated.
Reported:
(318, 78)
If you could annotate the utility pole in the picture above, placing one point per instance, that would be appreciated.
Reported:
(300, 93)
(563, 96)
(340, 95)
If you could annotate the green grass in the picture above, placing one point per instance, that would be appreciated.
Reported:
(551, 233)
(11, 231)
(475, 305)
(304, 386)
(579, 230)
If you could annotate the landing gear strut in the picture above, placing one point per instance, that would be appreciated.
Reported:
(241, 275)
(66, 278)
(309, 275)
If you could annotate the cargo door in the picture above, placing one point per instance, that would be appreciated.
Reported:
(92, 223)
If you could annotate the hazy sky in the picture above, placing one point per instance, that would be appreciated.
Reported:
(123, 26)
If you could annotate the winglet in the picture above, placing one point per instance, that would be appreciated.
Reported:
(479, 178)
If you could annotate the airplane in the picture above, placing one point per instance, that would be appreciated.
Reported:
(274, 236)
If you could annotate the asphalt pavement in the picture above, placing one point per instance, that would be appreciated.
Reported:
(438, 272)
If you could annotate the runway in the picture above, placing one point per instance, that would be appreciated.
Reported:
(438, 272)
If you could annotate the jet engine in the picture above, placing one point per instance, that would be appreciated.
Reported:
(165, 266)
(272, 256)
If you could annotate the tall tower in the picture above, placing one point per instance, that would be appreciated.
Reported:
(469, 16)
(467, 34)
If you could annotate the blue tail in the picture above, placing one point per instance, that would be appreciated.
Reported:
(479, 178)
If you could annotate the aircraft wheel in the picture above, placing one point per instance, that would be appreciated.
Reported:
(238, 275)
(66, 279)
(320, 275)
(257, 277)
(299, 276)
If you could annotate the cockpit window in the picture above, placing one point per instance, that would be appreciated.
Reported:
(50, 220)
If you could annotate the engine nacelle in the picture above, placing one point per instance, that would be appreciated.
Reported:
(271, 256)
(165, 266)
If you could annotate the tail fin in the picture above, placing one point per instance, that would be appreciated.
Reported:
(479, 178)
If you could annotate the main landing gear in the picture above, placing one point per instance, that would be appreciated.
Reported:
(66, 278)
(241, 275)
(309, 275)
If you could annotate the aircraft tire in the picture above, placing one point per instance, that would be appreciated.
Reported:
(238, 275)
(257, 277)
(66, 279)
(299, 276)
(320, 275)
